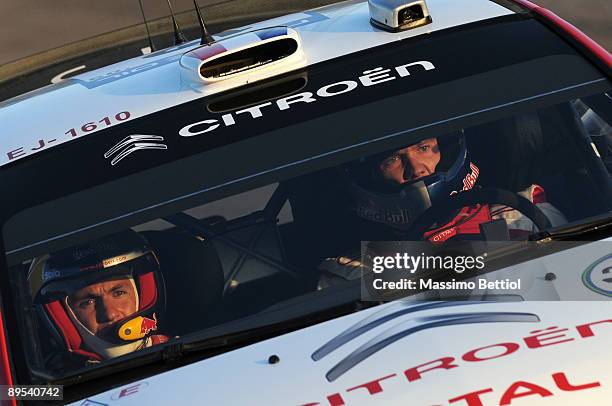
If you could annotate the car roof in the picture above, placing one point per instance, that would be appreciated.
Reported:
(57, 113)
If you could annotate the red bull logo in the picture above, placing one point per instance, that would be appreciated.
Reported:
(137, 328)
(470, 178)
(147, 325)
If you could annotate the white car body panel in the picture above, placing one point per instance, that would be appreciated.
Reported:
(245, 377)
(31, 125)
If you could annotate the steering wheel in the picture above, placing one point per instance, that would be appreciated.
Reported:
(472, 197)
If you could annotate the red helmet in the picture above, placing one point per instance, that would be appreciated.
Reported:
(127, 256)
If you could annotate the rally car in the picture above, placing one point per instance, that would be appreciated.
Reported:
(200, 224)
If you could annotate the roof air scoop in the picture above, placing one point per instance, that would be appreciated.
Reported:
(245, 57)
(398, 15)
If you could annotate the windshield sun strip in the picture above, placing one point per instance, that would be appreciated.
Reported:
(313, 158)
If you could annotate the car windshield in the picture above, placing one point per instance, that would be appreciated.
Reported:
(111, 249)
(207, 264)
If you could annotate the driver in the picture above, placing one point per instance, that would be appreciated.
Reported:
(390, 190)
(99, 300)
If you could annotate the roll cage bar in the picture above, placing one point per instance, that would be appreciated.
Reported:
(209, 228)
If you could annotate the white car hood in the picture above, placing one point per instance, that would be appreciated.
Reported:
(245, 376)
(422, 353)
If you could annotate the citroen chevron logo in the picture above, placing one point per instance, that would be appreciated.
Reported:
(133, 143)
(406, 328)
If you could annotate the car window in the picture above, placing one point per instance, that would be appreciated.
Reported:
(211, 260)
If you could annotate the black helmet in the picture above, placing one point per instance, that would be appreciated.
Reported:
(397, 205)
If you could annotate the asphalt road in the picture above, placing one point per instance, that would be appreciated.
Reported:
(32, 26)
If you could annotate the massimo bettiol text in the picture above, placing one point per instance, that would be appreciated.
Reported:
(404, 269)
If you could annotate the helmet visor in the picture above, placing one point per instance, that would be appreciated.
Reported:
(66, 282)
(393, 170)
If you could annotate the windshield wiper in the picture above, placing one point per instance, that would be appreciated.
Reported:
(282, 318)
(595, 228)
(293, 314)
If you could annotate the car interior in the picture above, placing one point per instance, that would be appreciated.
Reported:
(239, 256)
(265, 260)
